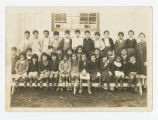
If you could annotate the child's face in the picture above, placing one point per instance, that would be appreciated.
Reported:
(34, 60)
(35, 35)
(54, 57)
(124, 52)
(27, 35)
(118, 59)
(83, 57)
(22, 58)
(50, 50)
(104, 59)
(77, 34)
(44, 58)
(120, 36)
(141, 37)
(96, 52)
(46, 34)
(59, 52)
(87, 35)
(69, 52)
(109, 53)
(79, 50)
(29, 53)
(106, 35)
(97, 37)
(67, 36)
(13, 52)
(131, 34)
(73, 57)
(132, 59)
(93, 58)
(56, 37)
(65, 58)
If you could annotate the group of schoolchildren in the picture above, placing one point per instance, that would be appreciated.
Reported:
(54, 60)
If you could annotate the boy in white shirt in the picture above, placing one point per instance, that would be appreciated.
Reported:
(46, 41)
(98, 43)
(77, 40)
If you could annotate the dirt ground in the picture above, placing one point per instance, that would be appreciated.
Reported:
(40, 98)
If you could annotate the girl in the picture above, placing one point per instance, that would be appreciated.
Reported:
(33, 70)
(79, 51)
(44, 69)
(69, 53)
(105, 71)
(118, 73)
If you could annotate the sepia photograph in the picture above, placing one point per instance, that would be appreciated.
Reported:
(78, 58)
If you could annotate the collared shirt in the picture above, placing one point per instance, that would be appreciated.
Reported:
(55, 43)
(46, 43)
(76, 42)
(36, 45)
(106, 42)
(99, 44)
(26, 43)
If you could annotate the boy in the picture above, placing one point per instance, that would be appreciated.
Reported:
(59, 54)
(93, 69)
(54, 71)
(98, 43)
(33, 70)
(110, 55)
(65, 68)
(108, 42)
(120, 43)
(50, 51)
(56, 41)
(131, 43)
(46, 41)
(79, 51)
(66, 42)
(29, 54)
(21, 68)
(36, 44)
(84, 75)
(133, 72)
(14, 59)
(77, 40)
(88, 44)
(26, 43)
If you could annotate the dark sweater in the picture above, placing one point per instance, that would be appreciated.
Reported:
(111, 43)
(13, 62)
(62, 43)
(131, 43)
(132, 67)
(42, 67)
(83, 66)
(116, 68)
(54, 65)
(92, 67)
(33, 67)
(88, 45)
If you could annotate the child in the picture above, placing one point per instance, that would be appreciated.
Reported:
(93, 69)
(14, 59)
(84, 75)
(56, 41)
(59, 54)
(29, 54)
(44, 69)
(120, 43)
(118, 73)
(21, 68)
(50, 51)
(88, 44)
(46, 41)
(65, 68)
(131, 43)
(110, 55)
(133, 72)
(69, 52)
(77, 40)
(141, 56)
(26, 43)
(54, 68)
(98, 43)
(98, 55)
(79, 51)
(66, 42)
(105, 71)
(33, 70)
(36, 44)
(108, 42)
(74, 69)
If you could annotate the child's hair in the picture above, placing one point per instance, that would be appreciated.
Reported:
(92, 54)
(50, 47)
(97, 34)
(87, 31)
(80, 46)
(56, 33)
(34, 56)
(14, 48)
(23, 54)
(124, 48)
(46, 31)
(142, 34)
(106, 31)
(35, 31)
(69, 49)
(121, 33)
(28, 49)
(77, 31)
(27, 32)
(67, 32)
(131, 31)
(54, 54)
(44, 54)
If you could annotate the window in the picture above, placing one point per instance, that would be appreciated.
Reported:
(60, 18)
(86, 18)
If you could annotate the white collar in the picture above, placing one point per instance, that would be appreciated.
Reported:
(117, 64)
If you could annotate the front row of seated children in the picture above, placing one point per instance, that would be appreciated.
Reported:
(53, 69)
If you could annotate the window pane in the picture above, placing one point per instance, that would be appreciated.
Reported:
(83, 18)
(92, 18)
(60, 18)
